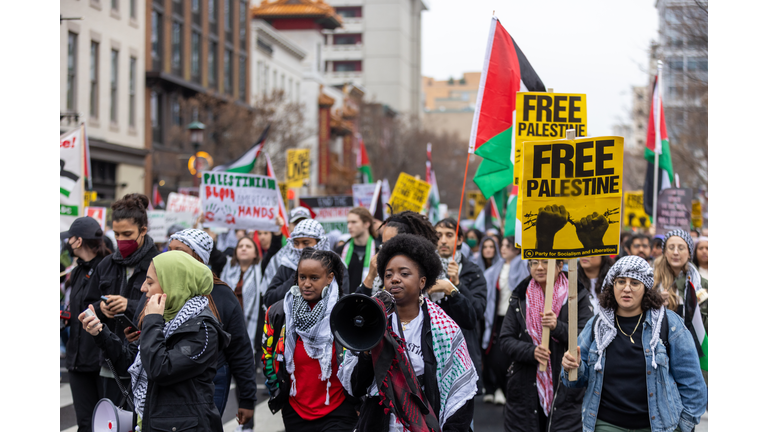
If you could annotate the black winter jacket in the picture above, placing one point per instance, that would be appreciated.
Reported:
(521, 411)
(467, 308)
(82, 355)
(282, 282)
(179, 389)
(372, 417)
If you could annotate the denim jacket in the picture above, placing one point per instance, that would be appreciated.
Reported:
(677, 395)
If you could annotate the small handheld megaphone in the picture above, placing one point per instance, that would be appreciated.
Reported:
(109, 418)
(358, 322)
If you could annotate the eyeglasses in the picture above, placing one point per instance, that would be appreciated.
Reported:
(634, 284)
(535, 263)
(680, 248)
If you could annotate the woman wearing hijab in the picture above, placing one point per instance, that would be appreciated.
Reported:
(473, 241)
(420, 377)
(173, 364)
(535, 400)
(489, 253)
(636, 360)
(501, 278)
(301, 357)
(121, 275)
(236, 360)
(281, 271)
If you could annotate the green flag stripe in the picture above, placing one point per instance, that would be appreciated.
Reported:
(496, 170)
(665, 159)
(242, 169)
(704, 360)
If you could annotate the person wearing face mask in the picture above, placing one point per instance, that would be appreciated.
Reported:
(473, 241)
(301, 357)
(307, 233)
(674, 274)
(85, 241)
(535, 400)
(119, 276)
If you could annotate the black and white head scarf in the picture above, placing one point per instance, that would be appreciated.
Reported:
(288, 255)
(691, 272)
(683, 234)
(197, 240)
(633, 267)
(192, 308)
(314, 327)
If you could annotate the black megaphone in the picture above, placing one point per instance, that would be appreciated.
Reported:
(358, 322)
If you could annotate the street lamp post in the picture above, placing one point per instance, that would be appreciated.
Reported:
(196, 131)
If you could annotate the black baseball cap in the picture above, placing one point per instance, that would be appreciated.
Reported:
(85, 227)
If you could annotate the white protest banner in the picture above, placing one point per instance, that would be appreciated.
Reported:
(233, 200)
(183, 219)
(362, 194)
(179, 203)
(71, 186)
(98, 213)
(157, 228)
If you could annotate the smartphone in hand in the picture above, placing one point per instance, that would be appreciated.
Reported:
(126, 322)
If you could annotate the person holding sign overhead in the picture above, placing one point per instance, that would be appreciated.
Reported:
(636, 360)
(535, 400)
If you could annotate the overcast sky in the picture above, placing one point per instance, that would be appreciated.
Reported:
(599, 47)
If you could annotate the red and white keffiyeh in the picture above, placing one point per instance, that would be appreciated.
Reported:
(534, 299)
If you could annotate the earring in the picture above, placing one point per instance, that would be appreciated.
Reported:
(325, 291)
(421, 300)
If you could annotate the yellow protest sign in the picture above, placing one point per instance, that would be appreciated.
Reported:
(634, 211)
(696, 216)
(409, 194)
(476, 202)
(296, 167)
(571, 197)
(545, 116)
(283, 192)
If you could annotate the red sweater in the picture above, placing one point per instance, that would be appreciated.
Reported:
(309, 401)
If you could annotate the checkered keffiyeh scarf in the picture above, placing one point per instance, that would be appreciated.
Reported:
(683, 235)
(192, 308)
(198, 241)
(314, 328)
(534, 299)
(633, 267)
(288, 255)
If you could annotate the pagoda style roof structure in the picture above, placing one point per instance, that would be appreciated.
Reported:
(317, 10)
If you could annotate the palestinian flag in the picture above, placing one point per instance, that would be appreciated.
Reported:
(506, 71)
(377, 206)
(157, 199)
(67, 181)
(695, 324)
(657, 142)
(488, 217)
(244, 164)
(282, 212)
(509, 218)
(363, 165)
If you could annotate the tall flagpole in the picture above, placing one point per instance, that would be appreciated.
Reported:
(657, 141)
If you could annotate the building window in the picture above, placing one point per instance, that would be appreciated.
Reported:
(347, 39)
(157, 38)
(115, 5)
(176, 111)
(196, 11)
(94, 79)
(350, 12)
(228, 71)
(212, 12)
(195, 57)
(71, 70)
(155, 117)
(104, 178)
(242, 78)
(178, 7)
(348, 66)
(176, 48)
(212, 63)
(113, 88)
(133, 9)
(132, 93)
(243, 20)
(228, 19)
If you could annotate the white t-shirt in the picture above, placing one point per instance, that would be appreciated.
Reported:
(505, 292)
(412, 336)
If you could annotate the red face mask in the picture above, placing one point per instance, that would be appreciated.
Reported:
(127, 247)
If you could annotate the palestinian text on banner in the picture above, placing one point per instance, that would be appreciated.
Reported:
(98, 213)
(331, 211)
(571, 197)
(674, 210)
(634, 211)
(179, 203)
(296, 167)
(71, 177)
(545, 116)
(409, 194)
(246, 201)
(362, 194)
(157, 229)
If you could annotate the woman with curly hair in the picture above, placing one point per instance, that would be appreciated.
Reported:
(300, 355)
(636, 359)
(420, 376)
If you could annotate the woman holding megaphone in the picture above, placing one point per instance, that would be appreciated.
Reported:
(420, 375)
(300, 356)
(174, 362)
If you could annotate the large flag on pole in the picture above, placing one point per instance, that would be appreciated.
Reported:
(283, 213)
(506, 71)
(244, 164)
(363, 165)
(433, 201)
(657, 143)
(509, 214)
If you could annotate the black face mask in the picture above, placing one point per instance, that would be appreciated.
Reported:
(71, 250)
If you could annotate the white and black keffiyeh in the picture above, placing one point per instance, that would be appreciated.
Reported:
(605, 331)
(288, 255)
(683, 235)
(253, 290)
(197, 240)
(314, 328)
(633, 267)
(192, 308)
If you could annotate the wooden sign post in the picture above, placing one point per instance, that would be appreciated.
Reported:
(551, 273)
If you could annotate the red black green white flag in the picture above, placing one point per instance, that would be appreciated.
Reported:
(363, 164)
(506, 71)
(657, 141)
